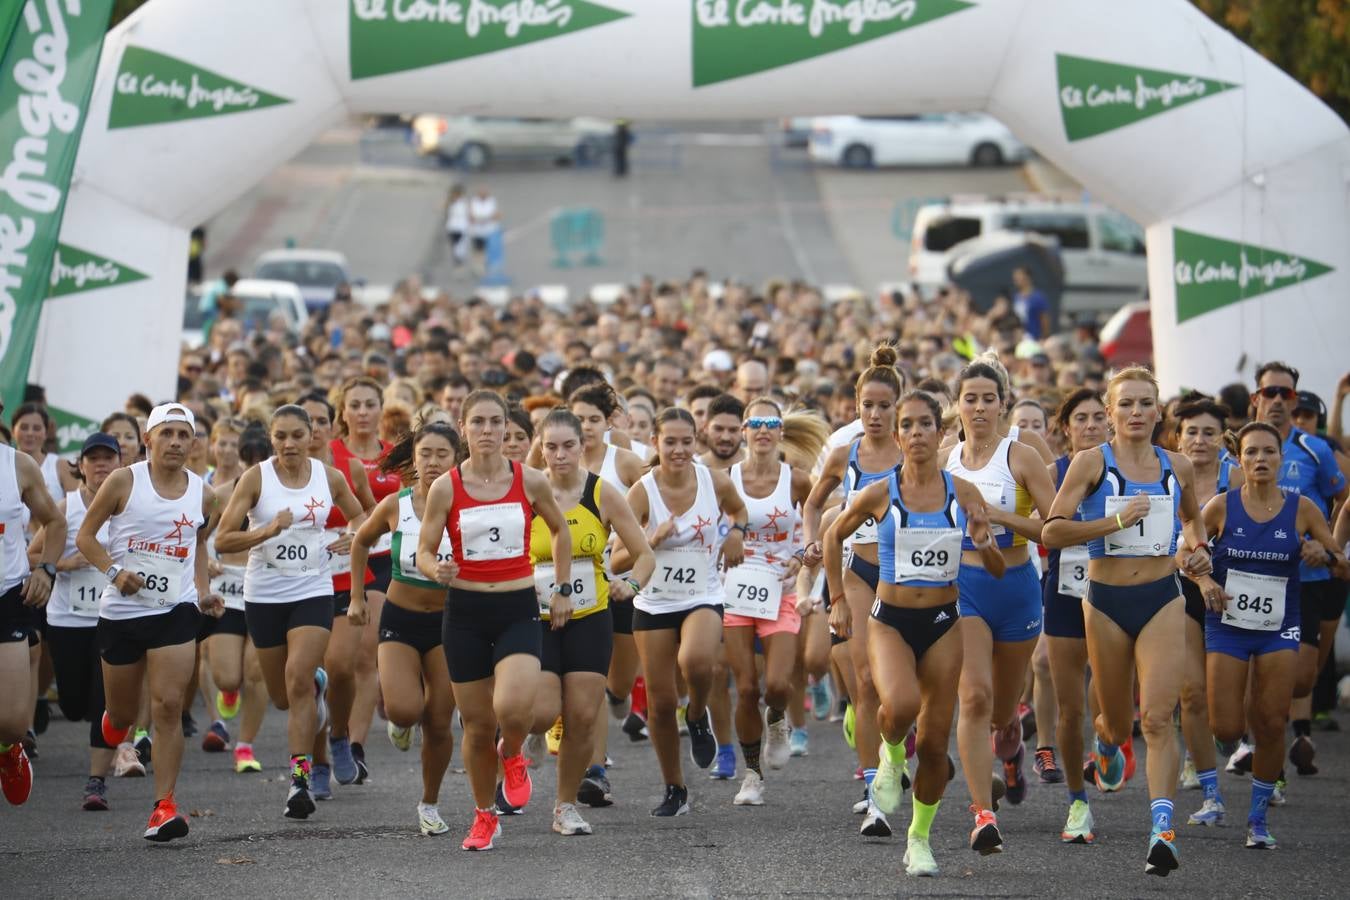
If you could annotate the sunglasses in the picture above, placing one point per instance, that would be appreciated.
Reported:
(1271, 392)
(757, 422)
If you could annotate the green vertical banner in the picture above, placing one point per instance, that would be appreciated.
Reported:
(46, 77)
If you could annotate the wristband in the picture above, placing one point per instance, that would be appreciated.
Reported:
(988, 542)
(737, 526)
(632, 583)
(1119, 524)
(800, 555)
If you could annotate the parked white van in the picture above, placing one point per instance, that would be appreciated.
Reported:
(1102, 250)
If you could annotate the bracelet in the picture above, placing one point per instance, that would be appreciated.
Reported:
(800, 555)
(632, 583)
(737, 526)
(1119, 524)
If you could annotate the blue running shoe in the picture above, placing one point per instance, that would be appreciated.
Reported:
(821, 700)
(1210, 814)
(320, 781)
(344, 764)
(1110, 774)
(798, 742)
(1259, 836)
(724, 767)
(1162, 853)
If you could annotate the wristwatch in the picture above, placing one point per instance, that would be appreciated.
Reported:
(51, 571)
(563, 590)
(113, 571)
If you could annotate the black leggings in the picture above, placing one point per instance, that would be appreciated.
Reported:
(79, 677)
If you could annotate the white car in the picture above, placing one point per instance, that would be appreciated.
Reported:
(259, 300)
(929, 139)
(474, 141)
(317, 272)
(1102, 251)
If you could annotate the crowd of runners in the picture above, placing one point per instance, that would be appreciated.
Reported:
(706, 511)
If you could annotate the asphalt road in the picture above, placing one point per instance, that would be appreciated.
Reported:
(721, 196)
(802, 843)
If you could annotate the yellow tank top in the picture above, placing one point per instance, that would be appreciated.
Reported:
(589, 536)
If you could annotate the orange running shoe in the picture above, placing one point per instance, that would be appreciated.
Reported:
(113, 736)
(1127, 748)
(165, 822)
(485, 827)
(16, 775)
(985, 837)
(516, 785)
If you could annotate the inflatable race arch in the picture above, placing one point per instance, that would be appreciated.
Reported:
(1241, 177)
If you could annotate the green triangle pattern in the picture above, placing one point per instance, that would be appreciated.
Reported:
(153, 88)
(1211, 273)
(75, 270)
(71, 430)
(1096, 96)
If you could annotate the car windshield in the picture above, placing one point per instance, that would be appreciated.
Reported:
(307, 272)
(1069, 228)
(943, 234)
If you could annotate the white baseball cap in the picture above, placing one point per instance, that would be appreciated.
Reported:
(170, 412)
(718, 361)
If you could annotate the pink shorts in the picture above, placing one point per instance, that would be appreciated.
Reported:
(787, 622)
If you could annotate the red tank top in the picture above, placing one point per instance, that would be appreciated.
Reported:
(491, 538)
(342, 457)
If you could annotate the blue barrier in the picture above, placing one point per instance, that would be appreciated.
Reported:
(577, 230)
(494, 260)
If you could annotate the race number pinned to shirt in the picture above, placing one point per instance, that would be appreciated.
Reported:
(1256, 601)
(866, 532)
(1150, 536)
(495, 531)
(585, 594)
(86, 586)
(927, 554)
(407, 556)
(754, 590)
(681, 572)
(229, 586)
(1073, 571)
(162, 568)
(297, 551)
(994, 493)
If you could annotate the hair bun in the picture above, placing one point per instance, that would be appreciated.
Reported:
(885, 355)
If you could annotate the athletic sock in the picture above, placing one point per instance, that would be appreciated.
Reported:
(1161, 810)
(1209, 782)
(1261, 791)
(300, 766)
(750, 750)
(923, 818)
(1105, 750)
(894, 752)
(774, 715)
(1077, 795)
(869, 775)
(1302, 727)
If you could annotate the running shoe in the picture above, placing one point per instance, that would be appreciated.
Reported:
(919, 858)
(216, 739)
(849, 721)
(42, 715)
(1240, 763)
(1210, 814)
(359, 757)
(1078, 827)
(344, 765)
(985, 837)
(724, 766)
(1013, 777)
(1047, 767)
(1007, 741)
(1323, 721)
(227, 703)
(553, 739)
(165, 823)
(777, 741)
(875, 823)
(320, 699)
(29, 742)
(189, 725)
(1110, 774)
(998, 789)
(244, 761)
(1259, 836)
(887, 790)
(635, 727)
(567, 821)
(126, 762)
(299, 801)
(1162, 853)
(429, 820)
(321, 781)
(95, 795)
(1189, 780)
(860, 807)
(595, 789)
(485, 828)
(799, 742)
(112, 736)
(145, 748)
(16, 775)
(619, 707)
(1127, 749)
(401, 738)
(1279, 797)
(822, 699)
(502, 808)
(516, 786)
(1302, 753)
(676, 802)
(1026, 714)
(752, 790)
(534, 749)
(703, 743)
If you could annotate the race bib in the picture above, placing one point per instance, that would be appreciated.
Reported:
(754, 591)
(86, 587)
(585, 594)
(866, 533)
(1257, 601)
(407, 556)
(162, 568)
(1150, 536)
(994, 493)
(297, 551)
(495, 531)
(927, 554)
(681, 573)
(1073, 572)
(229, 586)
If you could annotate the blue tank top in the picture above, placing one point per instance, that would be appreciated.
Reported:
(1113, 483)
(855, 479)
(1053, 556)
(900, 518)
(1261, 548)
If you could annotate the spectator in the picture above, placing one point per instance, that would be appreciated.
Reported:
(1030, 305)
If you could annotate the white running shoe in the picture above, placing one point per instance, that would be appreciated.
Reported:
(919, 859)
(887, 787)
(875, 824)
(1189, 780)
(752, 790)
(536, 749)
(567, 821)
(777, 738)
(429, 820)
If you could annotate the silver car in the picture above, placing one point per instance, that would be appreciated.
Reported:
(475, 141)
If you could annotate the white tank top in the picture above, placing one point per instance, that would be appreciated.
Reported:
(771, 529)
(609, 469)
(13, 521)
(155, 537)
(995, 479)
(686, 573)
(75, 595)
(294, 564)
(52, 477)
